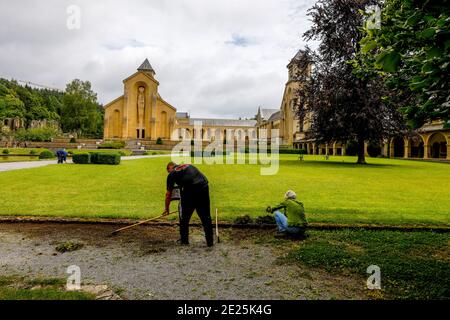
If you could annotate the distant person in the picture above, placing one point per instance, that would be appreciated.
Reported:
(59, 155)
(293, 221)
(194, 196)
(64, 155)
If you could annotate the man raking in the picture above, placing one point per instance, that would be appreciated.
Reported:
(194, 196)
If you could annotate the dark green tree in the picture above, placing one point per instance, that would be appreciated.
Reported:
(342, 106)
(10, 104)
(411, 52)
(80, 111)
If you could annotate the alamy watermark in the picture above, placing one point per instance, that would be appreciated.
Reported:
(374, 280)
(74, 279)
(73, 21)
(373, 20)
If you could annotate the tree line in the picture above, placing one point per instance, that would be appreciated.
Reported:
(76, 109)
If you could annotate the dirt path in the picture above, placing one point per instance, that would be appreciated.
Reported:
(145, 263)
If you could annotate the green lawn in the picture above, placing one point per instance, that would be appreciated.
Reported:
(385, 191)
(413, 265)
(20, 288)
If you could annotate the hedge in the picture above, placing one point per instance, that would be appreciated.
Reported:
(46, 154)
(81, 158)
(108, 158)
(281, 151)
(96, 158)
(112, 145)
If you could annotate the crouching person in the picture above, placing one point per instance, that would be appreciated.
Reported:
(293, 221)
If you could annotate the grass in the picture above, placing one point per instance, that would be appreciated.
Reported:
(18, 158)
(413, 265)
(386, 191)
(14, 151)
(20, 288)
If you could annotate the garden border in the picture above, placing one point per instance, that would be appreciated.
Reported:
(313, 226)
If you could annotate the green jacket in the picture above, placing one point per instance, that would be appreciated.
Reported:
(294, 211)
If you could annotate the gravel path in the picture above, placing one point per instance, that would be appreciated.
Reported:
(145, 263)
(8, 166)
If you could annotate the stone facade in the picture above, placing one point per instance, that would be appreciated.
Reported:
(430, 141)
(141, 114)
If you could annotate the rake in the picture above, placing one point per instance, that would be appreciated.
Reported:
(217, 227)
(139, 223)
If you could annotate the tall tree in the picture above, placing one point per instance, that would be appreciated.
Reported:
(342, 105)
(411, 52)
(80, 112)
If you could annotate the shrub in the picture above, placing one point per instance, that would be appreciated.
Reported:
(351, 148)
(46, 154)
(159, 141)
(108, 158)
(73, 140)
(112, 145)
(281, 151)
(122, 154)
(32, 151)
(94, 157)
(36, 134)
(290, 151)
(5, 151)
(81, 158)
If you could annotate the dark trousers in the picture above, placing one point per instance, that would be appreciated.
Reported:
(196, 198)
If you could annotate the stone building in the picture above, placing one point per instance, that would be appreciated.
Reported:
(430, 141)
(141, 114)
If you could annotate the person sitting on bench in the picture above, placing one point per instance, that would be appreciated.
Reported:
(293, 222)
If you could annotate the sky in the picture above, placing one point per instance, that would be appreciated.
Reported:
(212, 58)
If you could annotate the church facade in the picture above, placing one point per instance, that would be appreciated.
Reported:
(140, 113)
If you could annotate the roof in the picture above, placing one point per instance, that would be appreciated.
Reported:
(267, 113)
(223, 122)
(300, 55)
(182, 115)
(275, 116)
(146, 66)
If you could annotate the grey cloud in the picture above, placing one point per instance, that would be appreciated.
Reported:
(212, 58)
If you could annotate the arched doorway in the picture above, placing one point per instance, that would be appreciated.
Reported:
(399, 147)
(116, 127)
(164, 125)
(438, 145)
(187, 134)
(417, 146)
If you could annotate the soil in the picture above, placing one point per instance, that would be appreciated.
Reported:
(146, 263)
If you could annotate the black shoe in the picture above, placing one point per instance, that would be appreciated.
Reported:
(182, 243)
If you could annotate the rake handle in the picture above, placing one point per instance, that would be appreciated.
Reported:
(142, 222)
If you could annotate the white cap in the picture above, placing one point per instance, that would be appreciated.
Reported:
(290, 195)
